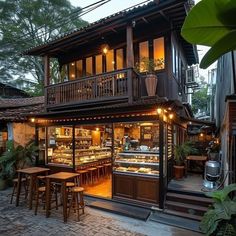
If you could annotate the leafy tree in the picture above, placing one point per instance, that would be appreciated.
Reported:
(212, 23)
(200, 100)
(25, 24)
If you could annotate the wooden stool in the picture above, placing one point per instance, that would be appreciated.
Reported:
(15, 182)
(78, 200)
(93, 173)
(41, 192)
(107, 169)
(84, 176)
(101, 170)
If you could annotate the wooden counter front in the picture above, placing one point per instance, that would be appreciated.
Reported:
(145, 189)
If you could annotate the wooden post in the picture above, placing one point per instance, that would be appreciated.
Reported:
(46, 71)
(46, 77)
(129, 60)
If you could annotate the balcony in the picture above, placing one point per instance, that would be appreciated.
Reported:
(104, 88)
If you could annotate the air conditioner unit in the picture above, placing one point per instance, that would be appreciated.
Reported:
(191, 74)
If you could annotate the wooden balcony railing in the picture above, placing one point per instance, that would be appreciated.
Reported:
(120, 84)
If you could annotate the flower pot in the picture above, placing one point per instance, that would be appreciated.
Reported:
(3, 184)
(151, 84)
(178, 172)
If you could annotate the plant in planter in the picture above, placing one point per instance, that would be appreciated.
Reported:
(180, 153)
(213, 150)
(149, 66)
(220, 219)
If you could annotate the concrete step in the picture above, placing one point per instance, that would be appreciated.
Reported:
(183, 215)
(190, 199)
(186, 208)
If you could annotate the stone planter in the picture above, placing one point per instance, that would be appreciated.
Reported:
(151, 84)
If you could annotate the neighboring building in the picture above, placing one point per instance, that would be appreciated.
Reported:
(225, 112)
(8, 91)
(100, 114)
(14, 119)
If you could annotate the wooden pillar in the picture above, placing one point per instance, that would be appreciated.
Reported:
(129, 60)
(129, 47)
(46, 70)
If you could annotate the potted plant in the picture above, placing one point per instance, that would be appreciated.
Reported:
(149, 66)
(220, 219)
(180, 153)
(213, 150)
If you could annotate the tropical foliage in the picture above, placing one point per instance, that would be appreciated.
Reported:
(16, 157)
(25, 24)
(220, 219)
(212, 23)
(181, 151)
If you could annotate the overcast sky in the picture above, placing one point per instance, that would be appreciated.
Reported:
(117, 5)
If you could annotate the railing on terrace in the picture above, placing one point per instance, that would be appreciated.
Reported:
(108, 86)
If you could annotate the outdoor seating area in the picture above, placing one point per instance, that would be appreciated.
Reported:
(39, 187)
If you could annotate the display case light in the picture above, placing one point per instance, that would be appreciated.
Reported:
(159, 111)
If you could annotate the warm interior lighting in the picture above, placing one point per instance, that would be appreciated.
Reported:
(171, 116)
(72, 64)
(201, 134)
(73, 75)
(97, 129)
(32, 120)
(159, 111)
(105, 50)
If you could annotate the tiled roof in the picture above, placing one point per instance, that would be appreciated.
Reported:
(20, 102)
(20, 109)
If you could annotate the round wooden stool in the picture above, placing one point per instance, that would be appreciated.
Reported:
(107, 169)
(101, 171)
(84, 176)
(93, 174)
(77, 201)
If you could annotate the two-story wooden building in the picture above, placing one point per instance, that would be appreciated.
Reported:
(100, 120)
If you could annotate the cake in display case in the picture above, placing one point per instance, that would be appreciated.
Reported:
(144, 163)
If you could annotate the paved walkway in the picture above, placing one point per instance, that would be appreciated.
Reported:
(21, 221)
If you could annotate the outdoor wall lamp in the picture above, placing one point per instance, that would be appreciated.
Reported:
(105, 49)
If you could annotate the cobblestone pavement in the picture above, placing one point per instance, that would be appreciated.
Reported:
(22, 221)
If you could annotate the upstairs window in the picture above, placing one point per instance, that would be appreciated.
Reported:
(159, 53)
(143, 53)
(110, 63)
(79, 69)
(98, 64)
(119, 59)
(89, 66)
(72, 71)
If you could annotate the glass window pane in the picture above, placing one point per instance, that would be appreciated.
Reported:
(89, 66)
(60, 145)
(143, 54)
(64, 73)
(79, 69)
(159, 53)
(110, 60)
(72, 71)
(98, 62)
(119, 59)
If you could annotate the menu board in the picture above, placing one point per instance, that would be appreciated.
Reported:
(150, 135)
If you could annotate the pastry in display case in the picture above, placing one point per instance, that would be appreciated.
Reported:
(138, 163)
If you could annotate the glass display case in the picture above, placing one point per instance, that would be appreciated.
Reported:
(137, 163)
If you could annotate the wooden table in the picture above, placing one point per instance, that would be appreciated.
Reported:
(203, 159)
(32, 172)
(61, 177)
